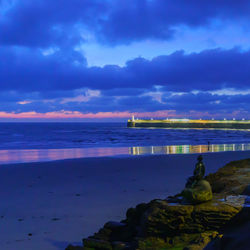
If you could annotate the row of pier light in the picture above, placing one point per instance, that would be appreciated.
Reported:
(134, 119)
(188, 149)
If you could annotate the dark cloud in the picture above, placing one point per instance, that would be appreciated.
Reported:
(208, 102)
(201, 103)
(124, 92)
(135, 20)
(61, 23)
(45, 23)
(30, 71)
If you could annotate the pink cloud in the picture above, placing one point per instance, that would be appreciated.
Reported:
(125, 114)
(77, 114)
(24, 102)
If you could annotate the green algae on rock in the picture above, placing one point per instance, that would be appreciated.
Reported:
(202, 192)
(233, 178)
(166, 226)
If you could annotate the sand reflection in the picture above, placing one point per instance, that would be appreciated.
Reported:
(39, 155)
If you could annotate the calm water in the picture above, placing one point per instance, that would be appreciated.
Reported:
(95, 135)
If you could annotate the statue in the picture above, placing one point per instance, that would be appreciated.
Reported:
(198, 175)
(197, 190)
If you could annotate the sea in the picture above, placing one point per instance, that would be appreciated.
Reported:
(29, 142)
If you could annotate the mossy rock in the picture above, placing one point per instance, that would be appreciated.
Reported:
(202, 240)
(184, 241)
(167, 220)
(172, 220)
(231, 179)
(153, 243)
(117, 245)
(214, 215)
(246, 191)
(133, 215)
(70, 247)
(202, 192)
(97, 244)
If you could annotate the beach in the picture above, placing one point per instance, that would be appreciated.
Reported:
(49, 205)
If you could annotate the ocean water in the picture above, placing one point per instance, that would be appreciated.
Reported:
(94, 135)
(31, 142)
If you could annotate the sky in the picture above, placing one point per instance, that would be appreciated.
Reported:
(86, 60)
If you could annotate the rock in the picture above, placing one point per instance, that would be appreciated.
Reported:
(174, 199)
(133, 215)
(113, 233)
(214, 215)
(96, 244)
(114, 225)
(201, 241)
(184, 241)
(202, 192)
(247, 190)
(166, 220)
(232, 178)
(70, 247)
(234, 238)
(152, 243)
(117, 245)
(162, 220)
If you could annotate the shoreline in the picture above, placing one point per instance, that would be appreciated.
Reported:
(46, 199)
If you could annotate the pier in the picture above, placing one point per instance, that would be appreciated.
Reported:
(189, 123)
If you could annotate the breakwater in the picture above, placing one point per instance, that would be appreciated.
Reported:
(186, 123)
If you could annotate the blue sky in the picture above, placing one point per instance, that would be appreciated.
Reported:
(93, 59)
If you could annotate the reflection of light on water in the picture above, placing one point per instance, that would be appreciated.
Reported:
(189, 149)
(37, 155)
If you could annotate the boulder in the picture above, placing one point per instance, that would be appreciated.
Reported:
(97, 244)
(231, 179)
(166, 220)
(202, 192)
(70, 247)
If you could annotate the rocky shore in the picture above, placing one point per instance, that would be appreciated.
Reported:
(221, 223)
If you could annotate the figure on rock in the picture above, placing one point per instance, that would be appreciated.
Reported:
(198, 174)
(197, 190)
